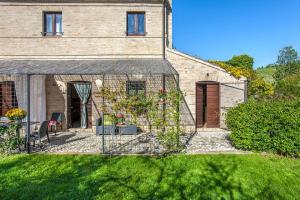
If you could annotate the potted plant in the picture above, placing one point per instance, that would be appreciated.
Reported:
(162, 95)
(109, 125)
(120, 119)
(16, 114)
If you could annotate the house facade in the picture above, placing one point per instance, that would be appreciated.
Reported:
(132, 36)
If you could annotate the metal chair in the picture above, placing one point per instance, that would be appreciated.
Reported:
(42, 132)
(57, 119)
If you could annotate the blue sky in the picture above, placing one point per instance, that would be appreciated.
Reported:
(219, 29)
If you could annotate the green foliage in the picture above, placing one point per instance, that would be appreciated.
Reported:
(241, 61)
(267, 73)
(170, 140)
(266, 126)
(259, 88)
(8, 138)
(165, 122)
(289, 87)
(286, 70)
(287, 55)
(169, 134)
(237, 72)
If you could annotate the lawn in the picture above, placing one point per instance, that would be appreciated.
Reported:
(174, 177)
(267, 73)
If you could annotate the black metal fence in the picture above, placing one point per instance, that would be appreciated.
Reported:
(123, 138)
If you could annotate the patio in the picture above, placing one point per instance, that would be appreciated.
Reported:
(47, 83)
(87, 142)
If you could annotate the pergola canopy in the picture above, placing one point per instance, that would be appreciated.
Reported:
(87, 67)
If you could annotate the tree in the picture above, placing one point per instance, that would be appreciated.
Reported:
(286, 70)
(287, 55)
(243, 61)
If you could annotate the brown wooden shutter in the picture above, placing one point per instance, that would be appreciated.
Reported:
(90, 113)
(199, 106)
(213, 106)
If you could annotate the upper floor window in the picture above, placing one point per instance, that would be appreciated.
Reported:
(52, 23)
(136, 23)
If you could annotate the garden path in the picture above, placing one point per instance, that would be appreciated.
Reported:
(211, 141)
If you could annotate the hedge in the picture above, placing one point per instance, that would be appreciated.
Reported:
(267, 126)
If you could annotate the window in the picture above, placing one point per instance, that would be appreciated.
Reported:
(136, 23)
(8, 98)
(52, 23)
(136, 88)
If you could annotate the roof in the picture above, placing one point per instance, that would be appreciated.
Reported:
(87, 67)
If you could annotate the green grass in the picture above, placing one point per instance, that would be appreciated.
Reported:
(174, 177)
(267, 73)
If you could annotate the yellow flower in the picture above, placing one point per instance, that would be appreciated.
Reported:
(16, 114)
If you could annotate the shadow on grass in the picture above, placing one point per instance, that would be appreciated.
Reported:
(97, 177)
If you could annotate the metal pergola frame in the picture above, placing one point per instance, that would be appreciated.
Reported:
(28, 68)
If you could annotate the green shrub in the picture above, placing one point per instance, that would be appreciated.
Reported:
(8, 138)
(243, 61)
(266, 126)
(286, 70)
(259, 88)
(289, 86)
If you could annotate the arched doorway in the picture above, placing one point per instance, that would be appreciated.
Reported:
(208, 104)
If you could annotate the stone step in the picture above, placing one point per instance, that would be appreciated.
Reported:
(80, 130)
(211, 130)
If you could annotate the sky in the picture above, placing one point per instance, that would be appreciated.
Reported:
(219, 29)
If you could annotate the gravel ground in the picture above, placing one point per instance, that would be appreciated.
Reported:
(90, 143)
(211, 142)
(215, 141)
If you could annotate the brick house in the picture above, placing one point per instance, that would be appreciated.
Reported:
(59, 43)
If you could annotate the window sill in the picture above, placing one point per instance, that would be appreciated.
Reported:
(44, 34)
(136, 35)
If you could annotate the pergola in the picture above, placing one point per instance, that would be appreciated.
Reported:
(130, 67)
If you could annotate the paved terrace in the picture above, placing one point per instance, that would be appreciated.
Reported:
(77, 142)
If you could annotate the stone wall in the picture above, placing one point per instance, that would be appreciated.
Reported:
(56, 87)
(192, 70)
(91, 31)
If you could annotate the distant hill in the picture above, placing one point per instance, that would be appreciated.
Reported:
(267, 73)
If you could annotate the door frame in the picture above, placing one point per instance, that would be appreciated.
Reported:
(196, 100)
(69, 121)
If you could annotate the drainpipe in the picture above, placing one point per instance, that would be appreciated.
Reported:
(164, 29)
(245, 91)
(28, 114)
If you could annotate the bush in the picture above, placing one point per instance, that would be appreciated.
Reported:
(286, 70)
(266, 126)
(289, 86)
(243, 61)
(259, 88)
(8, 138)
(237, 72)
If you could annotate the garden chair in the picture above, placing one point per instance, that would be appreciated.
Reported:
(57, 119)
(42, 132)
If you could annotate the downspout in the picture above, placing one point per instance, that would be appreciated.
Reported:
(164, 29)
(245, 91)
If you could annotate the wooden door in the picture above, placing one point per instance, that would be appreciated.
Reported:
(213, 106)
(200, 113)
(90, 113)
